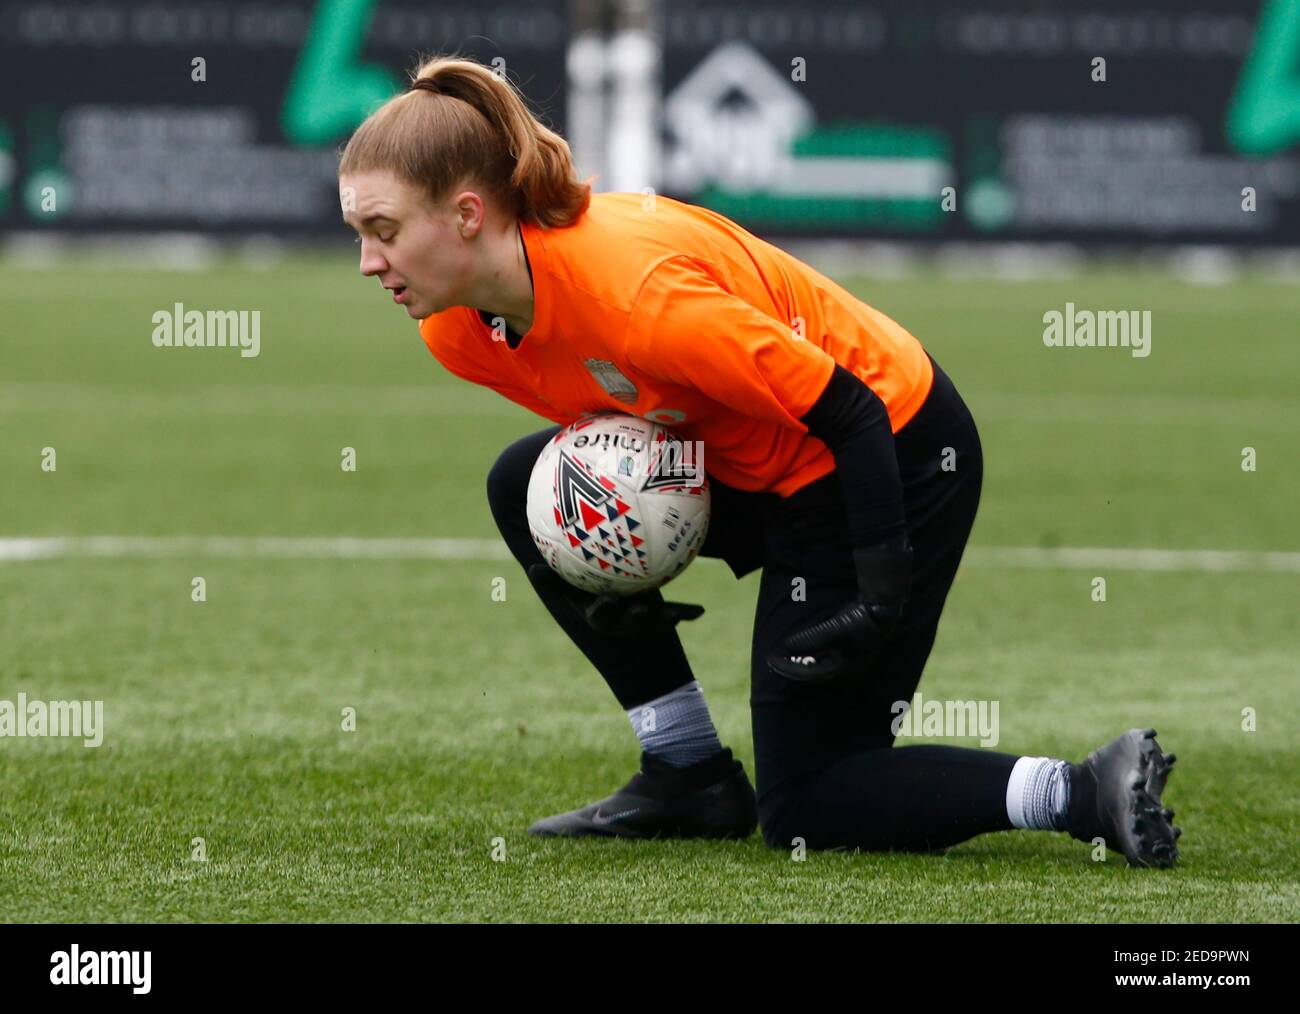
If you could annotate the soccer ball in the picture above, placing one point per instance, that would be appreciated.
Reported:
(618, 505)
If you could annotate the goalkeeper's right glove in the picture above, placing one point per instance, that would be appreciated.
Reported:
(621, 615)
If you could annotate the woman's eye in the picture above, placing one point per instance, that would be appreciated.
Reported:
(387, 239)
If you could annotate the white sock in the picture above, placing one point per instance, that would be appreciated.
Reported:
(676, 728)
(1038, 793)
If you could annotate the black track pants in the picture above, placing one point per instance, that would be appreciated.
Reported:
(826, 767)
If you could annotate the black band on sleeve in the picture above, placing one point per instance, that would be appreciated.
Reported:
(851, 420)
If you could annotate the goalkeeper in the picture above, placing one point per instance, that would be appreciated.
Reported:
(844, 465)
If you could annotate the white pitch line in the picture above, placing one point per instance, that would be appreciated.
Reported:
(1096, 557)
(329, 547)
(284, 547)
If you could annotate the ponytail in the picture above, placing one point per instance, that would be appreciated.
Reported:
(460, 124)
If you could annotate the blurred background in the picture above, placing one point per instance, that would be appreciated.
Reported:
(1093, 126)
(966, 167)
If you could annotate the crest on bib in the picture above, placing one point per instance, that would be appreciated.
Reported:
(612, 380)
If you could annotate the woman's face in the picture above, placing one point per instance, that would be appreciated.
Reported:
(414, 248)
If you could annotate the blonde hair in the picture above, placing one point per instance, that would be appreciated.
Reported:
(474, 127)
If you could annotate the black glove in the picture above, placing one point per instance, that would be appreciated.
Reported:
(622, 615)
(849, 640)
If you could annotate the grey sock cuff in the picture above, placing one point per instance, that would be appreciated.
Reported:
(676, 727)
(1038, 794)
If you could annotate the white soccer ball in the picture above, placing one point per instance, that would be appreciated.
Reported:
(617, 504)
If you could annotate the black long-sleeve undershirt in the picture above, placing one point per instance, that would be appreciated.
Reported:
(851, 420)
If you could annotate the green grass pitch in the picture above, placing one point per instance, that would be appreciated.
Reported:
(474, 716)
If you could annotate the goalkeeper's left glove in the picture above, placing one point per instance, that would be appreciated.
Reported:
(621, 615)
(849, 640)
